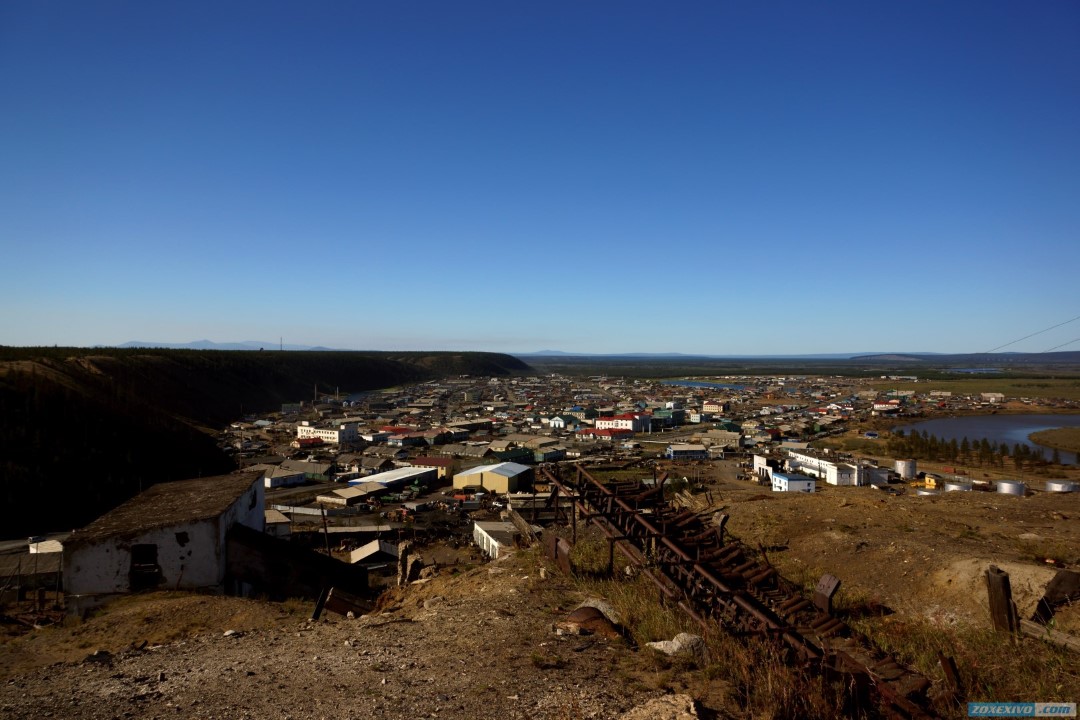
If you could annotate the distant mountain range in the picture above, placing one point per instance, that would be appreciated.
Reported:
(808, 356)
(903, 358)
(210, 345)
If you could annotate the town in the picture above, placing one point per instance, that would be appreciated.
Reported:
(343, 498)
(449, 461)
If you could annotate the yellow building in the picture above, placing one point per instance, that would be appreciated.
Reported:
(501, 478)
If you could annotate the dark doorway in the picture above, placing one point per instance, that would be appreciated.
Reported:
(145, 571)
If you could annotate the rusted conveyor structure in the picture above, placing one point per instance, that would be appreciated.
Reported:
(719, 583)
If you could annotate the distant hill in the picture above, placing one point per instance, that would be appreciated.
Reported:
(211, 345)
(684, 356)
(863, 365)
(82, 429)
(1003, 360)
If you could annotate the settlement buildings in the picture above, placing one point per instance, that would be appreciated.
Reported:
(501, 478)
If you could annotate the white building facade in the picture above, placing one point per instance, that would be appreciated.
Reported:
(634, 422)
(171, 536)
(788, 482)
(336, 434)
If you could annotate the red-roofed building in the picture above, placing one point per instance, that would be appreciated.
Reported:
(606, 434)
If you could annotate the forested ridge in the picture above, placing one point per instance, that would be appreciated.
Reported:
(82, 429)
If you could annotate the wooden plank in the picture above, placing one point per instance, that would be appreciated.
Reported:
(1035, 630)
(527, 533)
(1063, 588)
(341, 602)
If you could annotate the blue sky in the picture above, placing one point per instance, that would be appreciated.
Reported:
(716, 177)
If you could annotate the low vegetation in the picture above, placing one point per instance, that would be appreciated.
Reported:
(1067, 439)
(756, 677)
(1067, 388)
(759, 679)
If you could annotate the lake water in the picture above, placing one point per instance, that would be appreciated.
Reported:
(1009, 429)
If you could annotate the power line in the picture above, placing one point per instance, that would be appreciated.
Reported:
(1058, 347)
(1036, 333)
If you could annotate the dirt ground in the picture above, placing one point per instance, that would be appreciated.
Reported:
(479, 642)
(474, 644)
(919, 555)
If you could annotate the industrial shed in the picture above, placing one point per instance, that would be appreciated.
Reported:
(349, 496)
(495, 538)
(376, 552)
(686, 452)
(282, 477)
(171, 536)
(399, 478)
(501, 478)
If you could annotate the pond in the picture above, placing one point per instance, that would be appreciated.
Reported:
(1009, 429)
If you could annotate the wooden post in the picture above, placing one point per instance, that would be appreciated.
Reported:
(1002, 608)
(954, 691)
(323, 596)
(326, 532)
(573, 518)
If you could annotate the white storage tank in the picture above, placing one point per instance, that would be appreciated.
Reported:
(1012, 487)
(958, 485)
(906, 469)
(1062, 486)
(926, 491)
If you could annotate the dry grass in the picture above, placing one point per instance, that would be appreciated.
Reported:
(993, 666)
(1045, 388)
(153, 618)
(1042, 549)
(759, 678)
(1067, 438)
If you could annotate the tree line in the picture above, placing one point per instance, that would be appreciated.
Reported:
(924, 446)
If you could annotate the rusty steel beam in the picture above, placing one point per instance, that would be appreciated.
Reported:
(716, 582)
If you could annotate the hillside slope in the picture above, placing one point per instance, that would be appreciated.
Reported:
(81, 430)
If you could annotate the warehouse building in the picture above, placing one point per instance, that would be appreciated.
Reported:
(501, 478)
(399, 478)
(686, 452)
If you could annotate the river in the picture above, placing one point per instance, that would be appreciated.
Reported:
(1009, 429)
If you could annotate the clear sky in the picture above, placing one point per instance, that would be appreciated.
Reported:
(716, 177)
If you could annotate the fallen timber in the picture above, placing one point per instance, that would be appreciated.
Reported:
(719, 584)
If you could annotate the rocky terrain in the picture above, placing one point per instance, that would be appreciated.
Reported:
(483, 641)
(480, 644)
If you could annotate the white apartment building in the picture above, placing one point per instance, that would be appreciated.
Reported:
(833, 473)
(789, 482)
(634, 422)
(336, 433)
